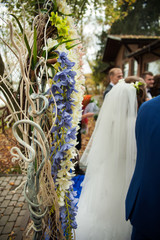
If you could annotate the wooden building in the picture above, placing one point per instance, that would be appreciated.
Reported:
(133, 54)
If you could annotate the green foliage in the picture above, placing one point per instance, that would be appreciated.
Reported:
(114, 10)
(99, 66)
(79, 7)
(72, 46)
(99, 71)
(143, 19)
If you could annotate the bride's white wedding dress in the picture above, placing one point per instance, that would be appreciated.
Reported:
(110, 158)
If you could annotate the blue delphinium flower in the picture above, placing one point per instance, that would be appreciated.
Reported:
(55, 88)
(71, 134)
(65, 77)
(65, 61)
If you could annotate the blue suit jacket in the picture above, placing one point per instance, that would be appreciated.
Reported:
(143, 198)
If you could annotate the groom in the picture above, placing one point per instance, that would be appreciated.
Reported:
(143, 198)
(115, 74)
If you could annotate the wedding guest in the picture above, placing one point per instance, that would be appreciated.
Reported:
(110, 158)
(148, 78)
(143, 198)
(115, 74)
(155, 91)
(141, 96)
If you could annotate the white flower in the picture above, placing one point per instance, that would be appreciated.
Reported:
(76, 119)
(63, 183)
(136, 84)
(74, 142)
(73, 33)
(65, 173)
(50, 44)
(62, 173)
(70, 21)
(72, 153)
(67, 164)
(62, 7)
(62, 194)
(62, 48)
(81, 79)
(77, 98)
(61, 202)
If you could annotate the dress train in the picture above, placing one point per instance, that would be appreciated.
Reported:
(110, 159)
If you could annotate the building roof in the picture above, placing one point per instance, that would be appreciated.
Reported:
(114, 42)
(146, 49)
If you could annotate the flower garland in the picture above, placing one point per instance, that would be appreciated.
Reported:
(66, 87)
(136, 85)
(64, 135)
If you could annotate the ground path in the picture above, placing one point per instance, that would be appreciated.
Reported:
(14, 215)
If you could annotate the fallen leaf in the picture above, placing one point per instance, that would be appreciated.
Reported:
(11, 233)
(20, 205)
(11, 183)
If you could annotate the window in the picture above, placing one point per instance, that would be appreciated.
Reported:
(125, 69)
(154, 67)
(135, 67)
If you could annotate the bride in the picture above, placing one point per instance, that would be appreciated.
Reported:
(110, 159)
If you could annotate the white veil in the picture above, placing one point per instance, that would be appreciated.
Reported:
(110, 159)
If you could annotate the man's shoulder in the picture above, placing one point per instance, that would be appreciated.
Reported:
(108, 88)
(151, 103)
(149, 107)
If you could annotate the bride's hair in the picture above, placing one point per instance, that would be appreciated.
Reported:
(141, 91)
